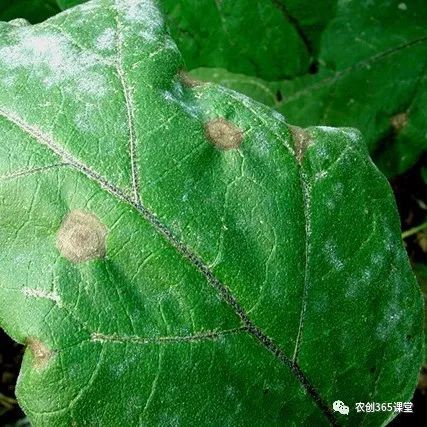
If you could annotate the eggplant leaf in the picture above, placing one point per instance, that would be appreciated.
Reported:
(372, 76)
(174, 253)
(273, 39)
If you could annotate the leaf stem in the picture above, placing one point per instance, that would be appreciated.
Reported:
(414, 230)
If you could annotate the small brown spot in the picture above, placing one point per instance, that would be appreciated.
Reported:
(301, 141)
(399, 121)
(81, 237)
(40, 352)
(223, 134)
(188, 80)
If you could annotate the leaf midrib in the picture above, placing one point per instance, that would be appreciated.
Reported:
(185, 251)
(164, 231)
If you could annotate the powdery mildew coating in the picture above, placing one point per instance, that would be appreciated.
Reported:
(143, 315)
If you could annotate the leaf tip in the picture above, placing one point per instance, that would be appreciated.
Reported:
(223, 134)
(81, 237)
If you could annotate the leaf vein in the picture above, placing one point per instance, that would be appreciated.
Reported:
(31, 171)
(342, 73)
(130, 112)
(127, 339)
(223, 291)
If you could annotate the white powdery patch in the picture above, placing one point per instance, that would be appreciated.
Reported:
(336, 195)
(245, 100)
(338, 190)
(353, 134)
(278, 116)
(106, 40)
(85, 118)
(387, 326)
(320, 175)
(53, 59)
(38, 293)
(9, 81)
(118, 370)
(143, 12)
(93, 84)
(353, 288)
(175, 95)
(321, 151)
(329, 129)
(263, 142)
(330, 251)
(169, 45)
(377, 260)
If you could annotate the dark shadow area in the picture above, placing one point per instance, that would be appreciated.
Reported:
(10, 362)
(419, 417)
(411, 197)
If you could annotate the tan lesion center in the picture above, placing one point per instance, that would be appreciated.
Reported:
(81, 237)
(224, 134)
(41, 353)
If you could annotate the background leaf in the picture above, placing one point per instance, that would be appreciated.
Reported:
(32, 10)
(346, 63)
(273, 39)
(372, 76)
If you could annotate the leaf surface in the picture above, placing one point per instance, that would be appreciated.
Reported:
(273, 39)
(372, 76)
(174, 253)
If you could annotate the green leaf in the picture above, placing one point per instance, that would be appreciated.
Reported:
(310, 19)
(270, 39)
(174, 253)
(372, 76)
(32, 10)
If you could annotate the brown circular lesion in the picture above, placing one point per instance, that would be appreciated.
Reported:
(40, 352)
(223, 134)
(81, 237)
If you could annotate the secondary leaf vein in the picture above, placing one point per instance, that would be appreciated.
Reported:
(185, 251)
